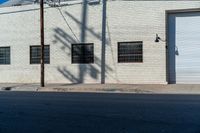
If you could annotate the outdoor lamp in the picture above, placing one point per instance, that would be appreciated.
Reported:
(157, 38)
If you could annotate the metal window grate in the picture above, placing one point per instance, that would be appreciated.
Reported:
(130, 52)
(4, 55)
(83, 53)
(35, 54)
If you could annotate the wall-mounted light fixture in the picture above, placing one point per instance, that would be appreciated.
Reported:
(158, 39)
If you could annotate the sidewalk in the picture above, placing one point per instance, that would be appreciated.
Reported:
(106, 88)
(18, 87)
(124, 88)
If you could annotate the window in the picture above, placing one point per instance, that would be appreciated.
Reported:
(35, 54)
(130, 52)
(83, 53)
(4, 55)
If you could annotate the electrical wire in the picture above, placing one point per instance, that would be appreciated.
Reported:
(109, 36)
(68, 24)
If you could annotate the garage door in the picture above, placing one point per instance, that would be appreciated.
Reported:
(184, 48)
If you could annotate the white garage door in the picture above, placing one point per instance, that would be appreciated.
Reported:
(184, 48)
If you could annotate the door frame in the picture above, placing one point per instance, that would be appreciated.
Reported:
(167, 13)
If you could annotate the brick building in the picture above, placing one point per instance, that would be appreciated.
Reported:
(146, 42)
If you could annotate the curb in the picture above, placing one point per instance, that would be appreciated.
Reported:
(94, 89)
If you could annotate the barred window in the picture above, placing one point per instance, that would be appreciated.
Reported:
(130, 52)
(35, 54)
(83, 53)
(4, 55)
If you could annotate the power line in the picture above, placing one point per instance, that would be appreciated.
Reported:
(68, 24)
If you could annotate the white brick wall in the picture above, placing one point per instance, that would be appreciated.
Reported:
(127, 21)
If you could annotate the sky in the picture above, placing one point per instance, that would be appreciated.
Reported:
(2, 1)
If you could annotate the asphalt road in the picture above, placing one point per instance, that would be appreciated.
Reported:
(33, 112)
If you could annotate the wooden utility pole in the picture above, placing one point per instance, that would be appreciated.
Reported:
(42, 42)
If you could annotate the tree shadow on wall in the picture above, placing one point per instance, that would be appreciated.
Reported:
(63, 37)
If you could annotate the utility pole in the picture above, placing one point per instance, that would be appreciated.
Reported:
(42, 42)
(84, 21)
(103, 45)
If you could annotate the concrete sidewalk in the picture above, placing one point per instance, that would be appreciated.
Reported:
(18, 87)
(106, 88)
(124, 88)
